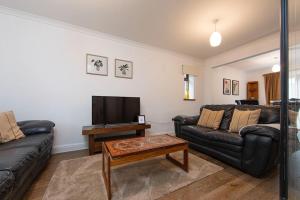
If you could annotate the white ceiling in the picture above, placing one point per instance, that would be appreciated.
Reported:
(182, 26)
(266, 60)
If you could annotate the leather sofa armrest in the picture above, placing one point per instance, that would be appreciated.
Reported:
(261, 149)
(186, 120)
(261, 130)
(7, 180)
(182, 120)
(32, 127)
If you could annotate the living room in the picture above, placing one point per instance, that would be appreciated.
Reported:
(49, 72)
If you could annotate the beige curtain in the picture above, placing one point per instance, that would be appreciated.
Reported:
(272, 86)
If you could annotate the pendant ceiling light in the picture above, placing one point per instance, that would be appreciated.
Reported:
(276, 68)
(215, 38)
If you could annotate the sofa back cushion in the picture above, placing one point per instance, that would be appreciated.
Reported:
(268, 115)
(9, 130)
(210, 119)
(228, 111)
(243, 118)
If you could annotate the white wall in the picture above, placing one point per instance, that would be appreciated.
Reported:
(257, 75)
(264, 44)
(213, 87)
(43, 76)
(213, 92)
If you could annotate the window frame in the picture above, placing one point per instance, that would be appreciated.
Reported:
(187, 88)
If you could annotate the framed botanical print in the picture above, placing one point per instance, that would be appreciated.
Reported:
(226, 86)
(123, 68)
(235, 87)
(96, 65)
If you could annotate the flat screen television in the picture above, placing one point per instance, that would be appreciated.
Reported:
(113, 110)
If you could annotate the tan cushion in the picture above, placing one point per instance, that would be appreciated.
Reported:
(9, 130)
(243, 118)
(210, 119)
(293, 117)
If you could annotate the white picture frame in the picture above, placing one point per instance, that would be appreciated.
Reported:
(97, 65)
(141, 119)
(226, 86)
(235, 87)
(123, 68)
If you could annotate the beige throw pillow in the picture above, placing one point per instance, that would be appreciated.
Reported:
(9, 130)
(210, 119)
(293, 117)
(243, 118)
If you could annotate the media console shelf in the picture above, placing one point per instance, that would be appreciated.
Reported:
(98, 130)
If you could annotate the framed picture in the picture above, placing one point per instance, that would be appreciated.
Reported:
(235, 87)
(123, 68)
(96, 65)
(141, 119)
(226, 86)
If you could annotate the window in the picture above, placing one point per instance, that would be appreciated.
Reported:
(190, 73)
(189, 87)
(294, 84)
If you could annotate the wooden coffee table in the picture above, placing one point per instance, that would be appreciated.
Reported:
(119, 152)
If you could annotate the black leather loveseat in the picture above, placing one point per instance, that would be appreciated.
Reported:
(255, 151)
(22, 160)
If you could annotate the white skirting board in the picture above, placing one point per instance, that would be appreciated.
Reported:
(69, 147)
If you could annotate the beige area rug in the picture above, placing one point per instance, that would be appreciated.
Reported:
(81, 179)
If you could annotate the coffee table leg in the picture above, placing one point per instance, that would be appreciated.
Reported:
(108, 179)
(91, 145)
(140, 133)
(185, 164)
(106, 171)
(186, 160)
(103, 166)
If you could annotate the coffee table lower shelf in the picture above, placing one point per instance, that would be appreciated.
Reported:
(108, 161)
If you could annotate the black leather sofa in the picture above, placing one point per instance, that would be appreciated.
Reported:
(23, 159)
(247, 102)
(255, 151)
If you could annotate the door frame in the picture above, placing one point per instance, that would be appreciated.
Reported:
(284, 76)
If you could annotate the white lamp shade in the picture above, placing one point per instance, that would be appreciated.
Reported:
(276, 68)
(215, 39)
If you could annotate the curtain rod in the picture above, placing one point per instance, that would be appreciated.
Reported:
(245, 58)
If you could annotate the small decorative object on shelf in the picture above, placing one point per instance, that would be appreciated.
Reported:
(96, 65)
(123, 68)
(141, 119)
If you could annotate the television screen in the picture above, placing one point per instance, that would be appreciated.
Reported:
(112, 110)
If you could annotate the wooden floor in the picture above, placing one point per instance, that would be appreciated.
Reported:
(227, 184)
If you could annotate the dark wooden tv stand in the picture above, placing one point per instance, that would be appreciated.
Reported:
(92, 131)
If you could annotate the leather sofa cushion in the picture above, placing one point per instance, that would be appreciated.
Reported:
(19, 160)
(230, 149)
(211, 135)
(196, 129)
(268, 115)
(242, 118)
(235, 161)
(39, 141)
(211, 119)
(228, 111)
